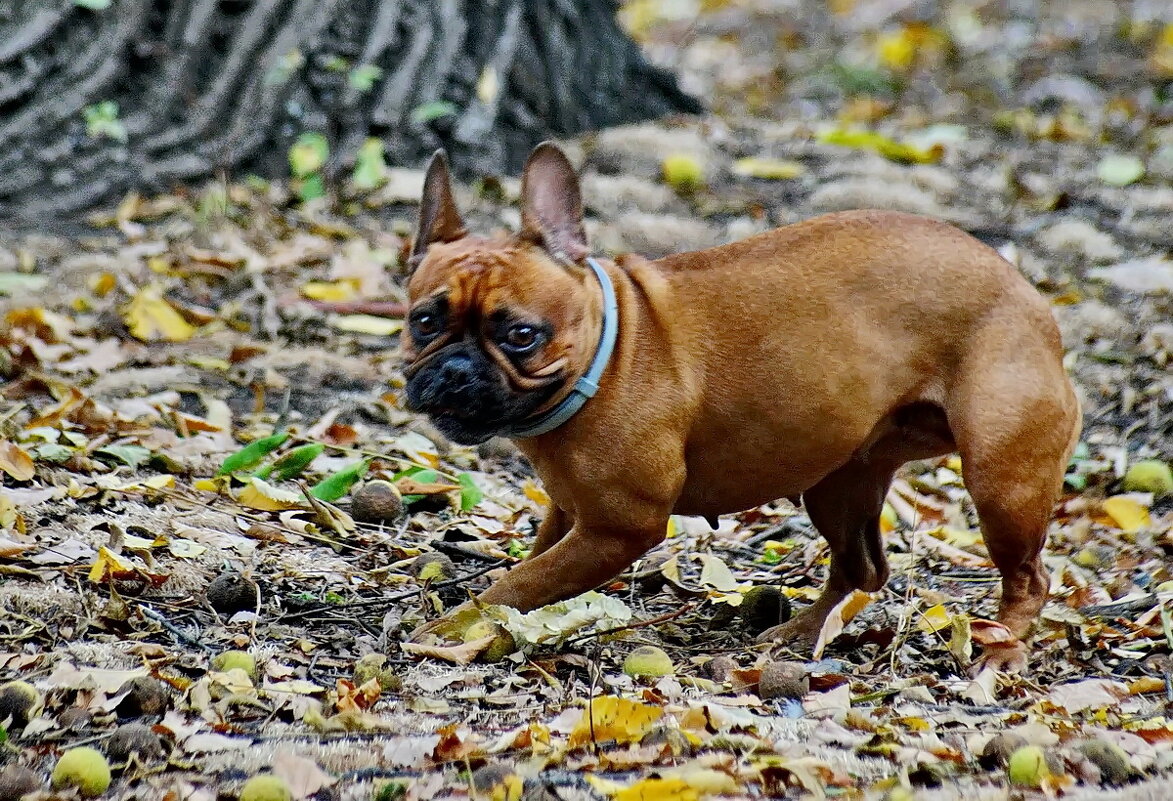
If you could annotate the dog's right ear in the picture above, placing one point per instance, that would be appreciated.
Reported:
(439, 219)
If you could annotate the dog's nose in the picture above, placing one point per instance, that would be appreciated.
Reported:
(457, 371)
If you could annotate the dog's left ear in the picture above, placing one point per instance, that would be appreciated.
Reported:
(439, 221)
(551, 204)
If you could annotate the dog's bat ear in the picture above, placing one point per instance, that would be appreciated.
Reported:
(439, 219)
(551, 204)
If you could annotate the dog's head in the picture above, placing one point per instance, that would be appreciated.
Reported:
(498, 329)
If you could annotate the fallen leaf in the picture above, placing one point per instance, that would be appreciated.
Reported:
(1118, 169)
(263, 496)
(151, 318)
(15, 461)
(366, 324)
(839, 617)
(888, 148)
(716, 574)
(934, 619)
(1126, 513)
(302, 775)
(462, 654)
(990, 632)
(609, 718)
(769, 169)
(1088, 694)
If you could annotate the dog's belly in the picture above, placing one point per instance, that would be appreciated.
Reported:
(730, 473)
(734, 473)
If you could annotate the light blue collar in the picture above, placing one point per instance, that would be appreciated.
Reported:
(586, 387)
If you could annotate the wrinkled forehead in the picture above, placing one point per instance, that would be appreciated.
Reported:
(490, 274)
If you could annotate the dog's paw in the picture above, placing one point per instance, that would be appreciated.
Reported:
(794, 635)
(1004, 657)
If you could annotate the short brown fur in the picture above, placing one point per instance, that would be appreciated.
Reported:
(810, 360)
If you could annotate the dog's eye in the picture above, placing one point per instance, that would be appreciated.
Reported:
(425, 325)
(521, 337)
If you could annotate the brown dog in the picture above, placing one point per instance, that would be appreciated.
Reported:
(811, 360)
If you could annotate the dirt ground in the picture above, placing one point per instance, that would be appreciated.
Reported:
(138, 356)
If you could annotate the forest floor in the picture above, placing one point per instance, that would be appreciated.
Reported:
(137, 357)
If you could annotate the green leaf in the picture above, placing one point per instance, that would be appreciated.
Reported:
(336, 64)
(130, 455)
(336, 485)
(93, 5)
(856, 80)
(363, 77)
(432, 111)
(308, 154)
(1120, 170)
(311, 187)
(11, 283)
(51, 452)
(252, 454)
(370, 170)
(102, 121)
(283, 70)
(470, 493)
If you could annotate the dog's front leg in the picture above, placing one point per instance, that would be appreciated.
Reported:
(554, 526)
(586, 557)
(582, 560)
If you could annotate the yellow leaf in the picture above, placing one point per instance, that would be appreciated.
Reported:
(15, 462)
(260, 495)
(1126, 513)
(488, 85)
(103, 283)
(535, 493)
(934, 619)
(346, 289)
(107, 563)
(771, 169)
(160, 481)
(840, 616)
(151, 318)
(896, 50)
(658, 790)
(210, 484)
(366, 324)
(611, 718)
(888, 148)
(1162, 56)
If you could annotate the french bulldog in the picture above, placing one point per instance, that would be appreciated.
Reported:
(808, 362)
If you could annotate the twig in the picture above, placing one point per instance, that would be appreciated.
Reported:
(639, 624)
(171, 627)
(390, 599)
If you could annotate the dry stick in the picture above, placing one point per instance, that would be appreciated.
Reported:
(390, 599)
(375, 308)
(639, 624)
(176, 631)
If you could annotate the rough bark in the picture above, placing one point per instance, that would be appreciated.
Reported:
(205, 87)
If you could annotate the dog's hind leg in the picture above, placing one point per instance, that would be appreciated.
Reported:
(1016, 420)
(845, 508)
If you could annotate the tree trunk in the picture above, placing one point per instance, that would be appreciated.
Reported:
(100, 97)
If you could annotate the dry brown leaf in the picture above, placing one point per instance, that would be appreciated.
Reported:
(15, 462)
(457, 654)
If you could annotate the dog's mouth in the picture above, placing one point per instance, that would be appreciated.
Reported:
(468, 397)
